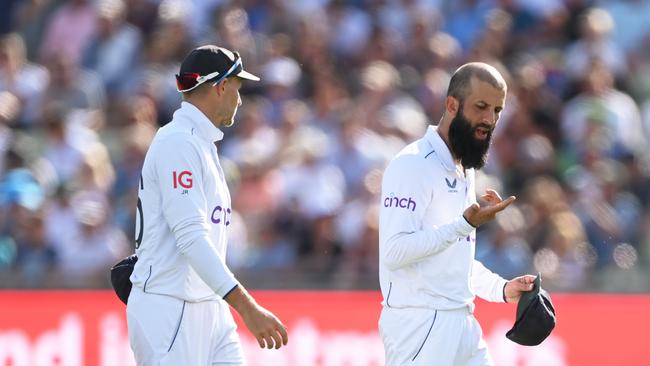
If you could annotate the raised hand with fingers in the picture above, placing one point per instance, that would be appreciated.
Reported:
(478, 215)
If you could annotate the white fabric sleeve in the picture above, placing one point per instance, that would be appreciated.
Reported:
(406, 192)
(209, 265)
(487, 284)
(184, 207)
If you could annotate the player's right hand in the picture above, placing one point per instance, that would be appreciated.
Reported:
(478, 215)
(266, 327)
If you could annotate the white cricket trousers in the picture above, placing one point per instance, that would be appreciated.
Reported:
(164, 330)
(426, 337)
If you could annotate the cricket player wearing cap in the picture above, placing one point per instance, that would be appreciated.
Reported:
(177, 310)
(427, 230)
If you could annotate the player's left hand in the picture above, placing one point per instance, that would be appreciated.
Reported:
(517, 286)
(266, 327)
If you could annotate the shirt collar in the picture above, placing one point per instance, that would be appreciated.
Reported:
(205, 128)
(440, 148)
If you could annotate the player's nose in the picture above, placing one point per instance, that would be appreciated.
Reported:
(489, 118)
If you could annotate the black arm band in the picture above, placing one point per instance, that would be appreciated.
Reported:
(467, 221)
(231, 290)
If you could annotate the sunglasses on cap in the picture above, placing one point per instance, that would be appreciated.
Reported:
(190, 80)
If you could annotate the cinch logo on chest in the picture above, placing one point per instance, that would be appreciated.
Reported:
(393, 201)
(221, 215)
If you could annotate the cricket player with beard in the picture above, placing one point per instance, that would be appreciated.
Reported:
(427, 232)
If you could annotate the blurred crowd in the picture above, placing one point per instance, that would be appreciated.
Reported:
(84, 84)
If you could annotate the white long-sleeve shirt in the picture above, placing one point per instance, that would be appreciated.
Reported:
(426, 247)
(184, 211)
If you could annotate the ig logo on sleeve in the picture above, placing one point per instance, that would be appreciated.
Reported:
(182, 179)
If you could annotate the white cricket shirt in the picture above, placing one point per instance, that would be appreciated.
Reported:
(184, 211)
(426, 247)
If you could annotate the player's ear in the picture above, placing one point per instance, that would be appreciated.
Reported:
(221, 86)
(452, 104)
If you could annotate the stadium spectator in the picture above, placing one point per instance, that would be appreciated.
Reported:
(345, 85)
(26, 80)
(505, 247)
(594, 44)
(94, 246)
(113, 52)
(36, 256)
(604, 113)
(69, 30)
(64, 156)
(75, 87)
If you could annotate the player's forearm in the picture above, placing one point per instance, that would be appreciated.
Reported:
(209, 265)
(406, 248)
(487, 284)
(240, 300)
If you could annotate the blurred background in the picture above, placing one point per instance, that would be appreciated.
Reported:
(84, 84)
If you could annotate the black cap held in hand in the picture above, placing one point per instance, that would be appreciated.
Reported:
(210, 63)
(535, 317)
(120, 274)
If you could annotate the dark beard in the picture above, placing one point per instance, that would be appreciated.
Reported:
(472, 152)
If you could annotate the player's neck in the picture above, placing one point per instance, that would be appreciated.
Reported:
(206, 107)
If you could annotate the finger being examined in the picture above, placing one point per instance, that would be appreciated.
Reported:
(505, 203)
(494, 209)
(493, 193)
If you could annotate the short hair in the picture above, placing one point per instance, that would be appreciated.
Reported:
(460, 83)
(201, 89)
